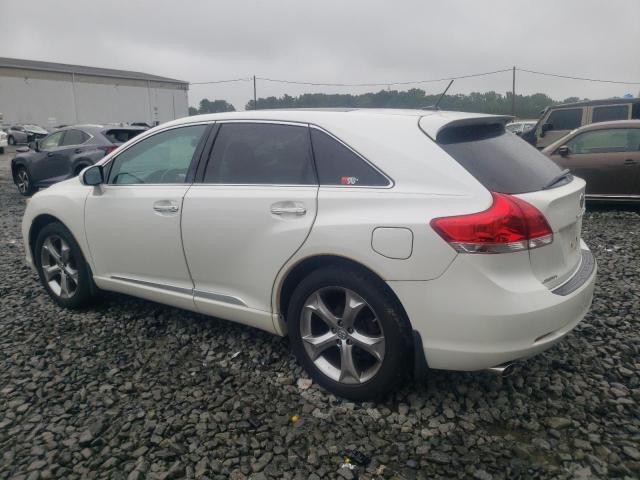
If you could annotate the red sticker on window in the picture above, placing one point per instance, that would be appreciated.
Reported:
(348, 180)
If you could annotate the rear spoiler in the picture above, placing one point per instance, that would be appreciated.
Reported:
(435, 123)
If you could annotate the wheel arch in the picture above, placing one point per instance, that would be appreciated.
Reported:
(297, 271)
(37, 225)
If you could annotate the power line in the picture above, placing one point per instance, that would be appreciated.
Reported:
(578, 78)
(221, 81)
(380, 84)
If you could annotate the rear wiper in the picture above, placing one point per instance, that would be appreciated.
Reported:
(557, 178)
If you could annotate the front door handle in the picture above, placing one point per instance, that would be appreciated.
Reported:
(166, 206)
(630, 161)
(288, 208)
(50, 154)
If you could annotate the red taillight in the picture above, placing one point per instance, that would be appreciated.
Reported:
(109, 149)
(509, 225)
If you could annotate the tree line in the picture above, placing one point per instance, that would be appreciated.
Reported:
(527, 106)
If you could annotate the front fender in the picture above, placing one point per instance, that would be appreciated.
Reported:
(63, 202)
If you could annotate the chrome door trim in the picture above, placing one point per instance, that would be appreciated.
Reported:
(202, 294)
(161, 286)
(218, 297)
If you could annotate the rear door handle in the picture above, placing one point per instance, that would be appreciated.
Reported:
(50, 154)
(288, 208)
(166, 206)
(630, 161)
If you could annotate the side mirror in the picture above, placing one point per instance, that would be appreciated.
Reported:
(563, 151)
(22, 149)
(93, 176)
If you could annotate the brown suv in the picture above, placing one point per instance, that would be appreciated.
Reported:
(606, 155)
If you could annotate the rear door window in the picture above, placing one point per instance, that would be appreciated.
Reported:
(567, 119)
(502, 162)
(74, 137)
(261, 153)
(610, 112)
(338, 165)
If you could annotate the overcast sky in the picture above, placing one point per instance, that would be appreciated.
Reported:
(338, 41)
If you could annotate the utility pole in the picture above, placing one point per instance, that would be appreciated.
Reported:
(513, 94)
(255, 100)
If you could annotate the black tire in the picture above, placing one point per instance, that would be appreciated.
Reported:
(83, 293)
(11, 140)
(24, 182)
(396, 364)
(1, 150)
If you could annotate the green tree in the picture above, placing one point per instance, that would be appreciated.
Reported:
(215, 106)
(193, 111)
(527, 106)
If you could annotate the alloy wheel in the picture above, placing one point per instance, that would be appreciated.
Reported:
(22, 181)
(341, 334)
(59, 266)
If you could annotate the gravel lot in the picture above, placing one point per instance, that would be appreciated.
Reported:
(132, 389)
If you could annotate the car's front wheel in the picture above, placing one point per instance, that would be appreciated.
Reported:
(11, 140)
(349, 333)
(62, 269)
(24, 182)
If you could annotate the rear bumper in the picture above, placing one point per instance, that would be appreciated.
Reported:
(468, 320)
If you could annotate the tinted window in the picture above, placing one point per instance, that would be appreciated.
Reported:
(606, 141)
(337, 165)
(614, 112)
(502, 162)
(52, 141)
(18, 128)
(121, 135)
(565, 119)
(74, 137)
(635, 111)
(162, 158)
(261, 153)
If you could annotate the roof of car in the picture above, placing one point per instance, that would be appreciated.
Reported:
(431, 121)
(604, 101)
(610, 124)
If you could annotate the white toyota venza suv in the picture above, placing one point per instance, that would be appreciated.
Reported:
(379, 241)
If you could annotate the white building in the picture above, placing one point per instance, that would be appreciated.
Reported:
(51, 94)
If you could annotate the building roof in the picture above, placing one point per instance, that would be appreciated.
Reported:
(82, 70)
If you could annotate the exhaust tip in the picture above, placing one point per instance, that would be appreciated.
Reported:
(504, 370)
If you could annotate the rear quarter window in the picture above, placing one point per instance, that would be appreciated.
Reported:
(500, 161)
(611, 112)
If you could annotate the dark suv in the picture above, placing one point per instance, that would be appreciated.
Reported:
(64, 153)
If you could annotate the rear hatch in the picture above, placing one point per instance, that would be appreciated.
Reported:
(504, 163)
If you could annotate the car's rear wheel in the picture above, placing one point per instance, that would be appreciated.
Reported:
(11, 140)
(24, 182)
(349, 333)
(62, 269)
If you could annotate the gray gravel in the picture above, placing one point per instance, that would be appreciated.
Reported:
(132, 390)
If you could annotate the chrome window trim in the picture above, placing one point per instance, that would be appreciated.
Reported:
(138, 140)
(391, 183)
(359, 155)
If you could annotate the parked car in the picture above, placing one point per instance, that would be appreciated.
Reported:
(606, 155)
(521, 127)
(24, 134)
(64, 153)
(3, 142)
(559, 120)
(376, 240)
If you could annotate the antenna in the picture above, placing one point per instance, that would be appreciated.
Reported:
(435, 107)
